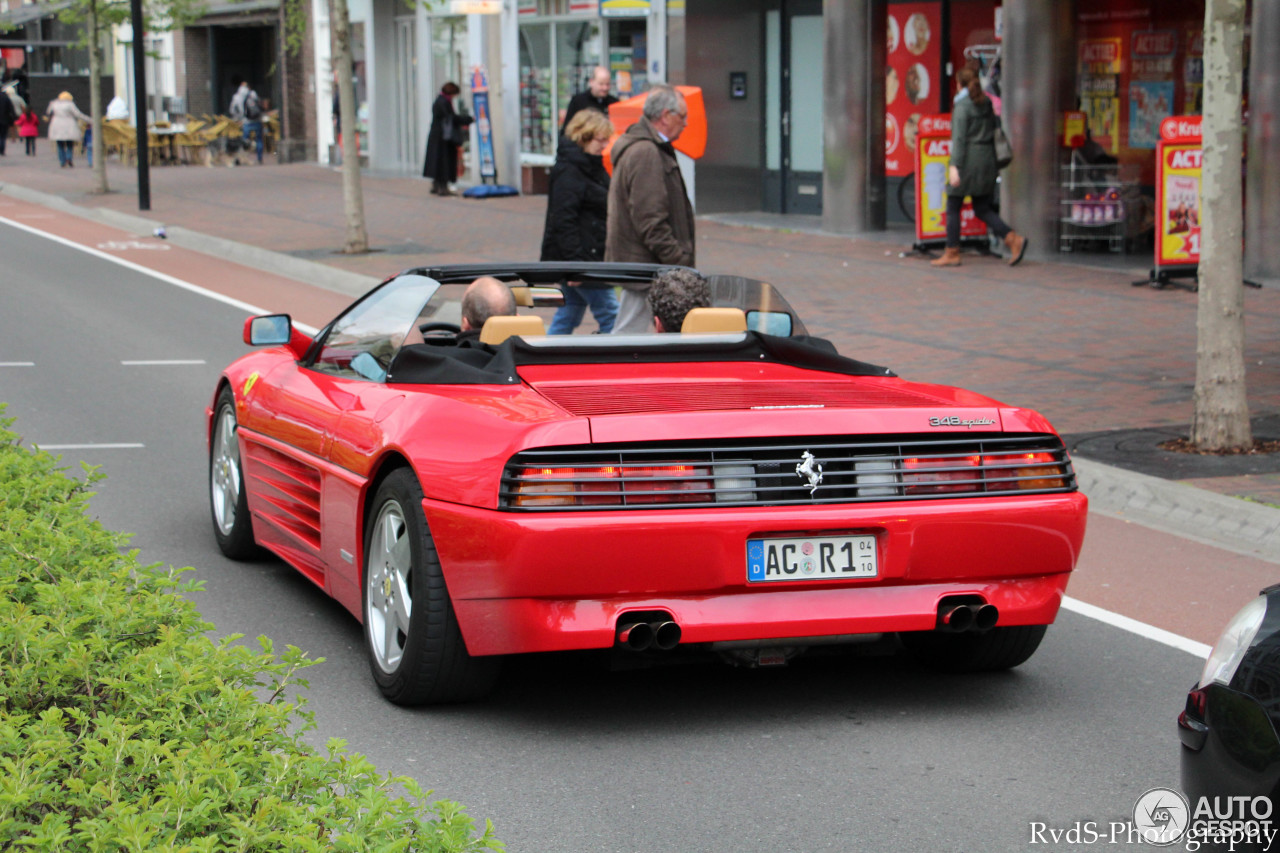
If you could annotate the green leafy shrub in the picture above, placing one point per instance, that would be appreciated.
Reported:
(124, 728)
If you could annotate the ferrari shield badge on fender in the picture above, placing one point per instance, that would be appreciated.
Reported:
(249, 383)
(810, 469)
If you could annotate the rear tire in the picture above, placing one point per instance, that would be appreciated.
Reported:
(228, 502)
(416, 651)
(999, 648)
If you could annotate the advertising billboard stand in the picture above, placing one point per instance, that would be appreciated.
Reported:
(1177, 252)
(932, 154)
(1178, 161)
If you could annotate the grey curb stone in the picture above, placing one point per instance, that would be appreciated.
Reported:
(309, 272)
(1229, 523)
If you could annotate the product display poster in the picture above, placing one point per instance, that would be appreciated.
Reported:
(1150, 103)
(913, 78)
(933, 155)
(1178, 204)
(1101, 61)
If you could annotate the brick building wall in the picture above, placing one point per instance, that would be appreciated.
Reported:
(194, 70)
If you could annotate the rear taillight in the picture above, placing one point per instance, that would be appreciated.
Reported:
(935, 476)
(998, 472)
(1008, 471)
(609, 485)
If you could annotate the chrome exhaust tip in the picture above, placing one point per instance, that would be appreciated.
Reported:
(666, 635)
(636, 636)
(985, 617)
(955, 618)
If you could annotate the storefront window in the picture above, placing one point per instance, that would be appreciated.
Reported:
(537, 130)
(577, 52)
(629, 56)
(556, 58)
(449, 64)
(359, 70)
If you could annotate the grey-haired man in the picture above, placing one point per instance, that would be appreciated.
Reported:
(650, 218)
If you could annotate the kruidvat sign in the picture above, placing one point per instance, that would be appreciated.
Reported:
(1178, 161)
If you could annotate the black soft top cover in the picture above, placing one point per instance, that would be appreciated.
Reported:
(473, 363)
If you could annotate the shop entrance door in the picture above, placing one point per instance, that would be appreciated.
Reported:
(793, 107)
(408, 151)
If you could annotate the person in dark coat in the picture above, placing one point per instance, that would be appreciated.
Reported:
(596, 97)
(972, 171)
(8, 117)
(650, 217)
(577, 204)
(441, 165)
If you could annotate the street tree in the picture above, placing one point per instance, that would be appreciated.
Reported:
(99, 18)
(1221, 418)
(357, 239)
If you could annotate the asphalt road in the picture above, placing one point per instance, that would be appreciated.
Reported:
(835, 753)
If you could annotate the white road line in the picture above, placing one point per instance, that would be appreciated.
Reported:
(156, 362)
(17, 364)
(1142, 629)
(118, 446)
(168, 279)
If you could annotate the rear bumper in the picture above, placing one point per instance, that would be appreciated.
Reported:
(526, 582)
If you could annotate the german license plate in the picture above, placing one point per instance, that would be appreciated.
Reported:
(811, 558)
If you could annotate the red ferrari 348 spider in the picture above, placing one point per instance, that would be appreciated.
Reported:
(742, 490)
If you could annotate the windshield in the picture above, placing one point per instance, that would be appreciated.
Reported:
(416, 309)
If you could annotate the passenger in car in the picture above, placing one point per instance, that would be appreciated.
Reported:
(484, 298)
(674, 293)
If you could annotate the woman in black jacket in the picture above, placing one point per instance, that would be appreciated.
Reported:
(448, 128)
(577, 204)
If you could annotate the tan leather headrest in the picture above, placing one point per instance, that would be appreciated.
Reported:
(710, 320)
(498, 329)
(523, 295)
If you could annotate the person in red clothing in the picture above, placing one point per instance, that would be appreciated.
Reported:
(28, 125)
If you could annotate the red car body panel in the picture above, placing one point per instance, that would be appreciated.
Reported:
(312, 444)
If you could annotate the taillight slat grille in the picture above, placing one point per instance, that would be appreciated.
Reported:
(784, 473)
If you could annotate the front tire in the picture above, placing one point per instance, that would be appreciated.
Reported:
(416, 650)
(999, 648)
(228, 502)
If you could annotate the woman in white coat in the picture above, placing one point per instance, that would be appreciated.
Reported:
(63, 117)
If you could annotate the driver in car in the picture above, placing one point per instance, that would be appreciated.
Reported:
(484, 298)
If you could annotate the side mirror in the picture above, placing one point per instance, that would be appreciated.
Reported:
(271, 330)
(770, 323)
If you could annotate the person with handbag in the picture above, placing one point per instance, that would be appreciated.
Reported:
(973, 169)
(448, 133)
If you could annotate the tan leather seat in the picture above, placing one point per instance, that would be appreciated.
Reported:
(711, 320)
(498, 329)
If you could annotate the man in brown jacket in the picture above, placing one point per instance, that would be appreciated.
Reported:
(650, 217)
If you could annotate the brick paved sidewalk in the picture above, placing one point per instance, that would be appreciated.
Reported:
(1111, 365)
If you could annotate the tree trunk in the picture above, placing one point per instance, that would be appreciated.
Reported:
(352, 195)
(95, 101)
(1221, 419)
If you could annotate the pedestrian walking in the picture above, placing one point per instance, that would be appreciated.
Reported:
(596, 97)
(246, 108)
(577, 207)
(972, 171)
(8, 116)
(64, 129)
(650, 219)
(28, 128)
(448, 133)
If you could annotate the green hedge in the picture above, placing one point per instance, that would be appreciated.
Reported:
(123, 727)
